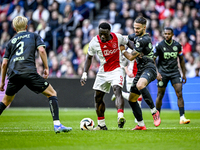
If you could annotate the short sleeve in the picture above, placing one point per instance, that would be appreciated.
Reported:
(91, 50)
(131, 37)
(39, 41)
(123, 40)
(7, 52)
(156, 51)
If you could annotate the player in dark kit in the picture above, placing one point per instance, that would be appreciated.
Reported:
(19, 64)
(143, 52)
(168, 50)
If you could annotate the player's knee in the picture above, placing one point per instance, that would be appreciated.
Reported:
(179, 94)
(140, 86)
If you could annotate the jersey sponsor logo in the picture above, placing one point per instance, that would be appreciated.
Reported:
(168, 55)
(175, 48)
(20, 37)
(109, 52)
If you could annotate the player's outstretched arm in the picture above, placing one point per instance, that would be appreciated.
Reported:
(4, 67)
(43, 56)
(182, 64)
(159, 77)
(86, 68)
(129, 56)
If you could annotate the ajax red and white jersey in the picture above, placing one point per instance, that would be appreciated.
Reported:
(108, 52)
(132, 66)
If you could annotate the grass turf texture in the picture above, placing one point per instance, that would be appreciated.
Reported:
(32, 129)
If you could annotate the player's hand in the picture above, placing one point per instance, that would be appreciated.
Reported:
(159, 77)
(131, 75)
(46, 73)
(2, 87)
(184, 79)
(83, 78)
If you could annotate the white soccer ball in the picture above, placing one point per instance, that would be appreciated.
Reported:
(87, 124)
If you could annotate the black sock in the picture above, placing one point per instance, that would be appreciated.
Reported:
(136, 110)
(2, 107)
(147, 97)
(181, 111)
(159, 109)
(53, 104)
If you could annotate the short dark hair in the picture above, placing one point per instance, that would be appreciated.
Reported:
(105, 25)
(141, 20)
(169, 28)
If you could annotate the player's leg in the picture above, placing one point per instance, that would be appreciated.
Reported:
(160, 94)
(137, 112)
(13, 86)
(119, 103)
(178, 90)
(5, 102)
(100, 110)
(51, 94)
(147, 76)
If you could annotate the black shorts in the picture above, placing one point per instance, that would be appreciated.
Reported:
(148, 73)
(166, 77)
(33, 81)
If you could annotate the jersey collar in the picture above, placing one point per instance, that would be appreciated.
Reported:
(169, 43)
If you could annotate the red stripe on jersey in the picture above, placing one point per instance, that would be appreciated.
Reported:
(110, 52)
(135, 68)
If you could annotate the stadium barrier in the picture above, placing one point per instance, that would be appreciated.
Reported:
(72, 94)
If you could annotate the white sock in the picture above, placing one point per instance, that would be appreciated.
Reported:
(125, 95)
(182, 117)
(56, 122)
(141, 123)
(101, 122)
(120, 114)
(154, 110)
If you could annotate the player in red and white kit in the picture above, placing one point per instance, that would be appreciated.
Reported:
(111, 73)
(131, 71)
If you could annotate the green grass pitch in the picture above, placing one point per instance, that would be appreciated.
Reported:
(32, 129)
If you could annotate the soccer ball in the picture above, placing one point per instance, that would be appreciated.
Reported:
(87, 124)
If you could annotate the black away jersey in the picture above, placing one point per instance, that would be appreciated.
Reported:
(20, 52)
(167, 54)
(144, 46)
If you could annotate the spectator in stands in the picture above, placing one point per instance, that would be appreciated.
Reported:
(41, 13)
(66, 52)
(191, 66)
(86, 28)
(30, 5)
(18, 11)
(14, 4)
(112, 13)
(187, 48)
(167, 12)
(67, 13)
(54, 71)
(180, 27)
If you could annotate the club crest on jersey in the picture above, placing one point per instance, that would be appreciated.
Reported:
(137, 44)
(114, 45)
(150, 45)
(175, 48)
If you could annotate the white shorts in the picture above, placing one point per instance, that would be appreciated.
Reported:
(105, 80)
(129, 83)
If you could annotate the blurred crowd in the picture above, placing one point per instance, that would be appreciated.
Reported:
(74, 26)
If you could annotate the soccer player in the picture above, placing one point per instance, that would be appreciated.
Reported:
(143, 53)
(106, 45)
(19, 64)
(131, 71)
(167, 51)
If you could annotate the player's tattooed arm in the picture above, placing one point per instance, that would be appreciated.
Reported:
(182, 64)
